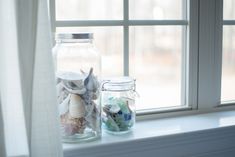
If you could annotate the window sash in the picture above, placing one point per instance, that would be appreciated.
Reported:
(228, 22)
(126, 23)
(203, 49)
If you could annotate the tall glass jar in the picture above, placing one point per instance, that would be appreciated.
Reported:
(78, 65)
(118, 105)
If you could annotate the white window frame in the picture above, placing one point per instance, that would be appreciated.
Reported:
(210, 53)
(201, 88)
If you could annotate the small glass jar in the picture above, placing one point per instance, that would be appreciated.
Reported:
(118, 105)
(78, 64)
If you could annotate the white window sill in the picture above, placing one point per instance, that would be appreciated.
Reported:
(178, 136)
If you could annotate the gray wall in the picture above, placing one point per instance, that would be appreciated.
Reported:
(208, 143)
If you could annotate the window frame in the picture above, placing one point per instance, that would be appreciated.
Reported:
(210, 53)
(201, 87)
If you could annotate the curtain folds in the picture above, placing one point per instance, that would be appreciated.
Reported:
(27, 82)
(2, 140)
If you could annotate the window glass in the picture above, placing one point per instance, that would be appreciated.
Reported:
(155, 61)
(89, 9)
(156, 9)
(155, 52)
(228, 64)
(109, 41)
(229, 10)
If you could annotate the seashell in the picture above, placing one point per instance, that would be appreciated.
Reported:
(71, 87)
(71, 126)
(91, 82)
(73, 82)
(76, 106)
(63, 107)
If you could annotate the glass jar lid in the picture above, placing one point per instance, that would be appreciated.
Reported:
(118, 84)
(74, 35)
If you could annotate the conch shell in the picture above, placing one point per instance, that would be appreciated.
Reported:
(76, 106)
(91, 82)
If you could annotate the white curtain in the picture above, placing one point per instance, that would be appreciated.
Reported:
(2, 139)
(29, 123)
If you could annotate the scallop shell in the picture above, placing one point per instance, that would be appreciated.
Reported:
(76, 106)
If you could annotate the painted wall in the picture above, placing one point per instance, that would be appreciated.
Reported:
(208, 143)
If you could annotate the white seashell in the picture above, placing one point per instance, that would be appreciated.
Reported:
(76, 106)
(80, 90)
(64, 106)
(73, 82)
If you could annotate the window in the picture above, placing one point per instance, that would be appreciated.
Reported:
(228, 64)
(172, 47)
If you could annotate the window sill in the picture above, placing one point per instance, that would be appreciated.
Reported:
(179, 136)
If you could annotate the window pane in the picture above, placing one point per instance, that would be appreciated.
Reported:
(156, 9)
(155, 61)
(108, 41)
(88, 9)
(228, 66)
(229, 9)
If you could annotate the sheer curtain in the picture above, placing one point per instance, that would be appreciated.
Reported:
(29, 123)
(2, 140)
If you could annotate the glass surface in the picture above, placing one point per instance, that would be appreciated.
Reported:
(228, 64)
(118, 104)
(89, 9)
(229, 9)
(77, 74)
(156, 9)
(118, 111)
(155, 62)
(109, 41)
